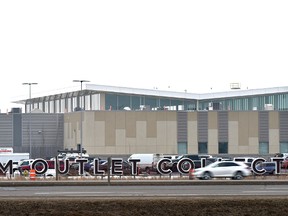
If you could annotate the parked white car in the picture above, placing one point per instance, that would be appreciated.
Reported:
(223, 169)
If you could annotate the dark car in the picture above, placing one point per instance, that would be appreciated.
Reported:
(269, 167)
(194, 157)
(90, 164)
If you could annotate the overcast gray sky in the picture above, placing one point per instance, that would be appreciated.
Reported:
(192, 45)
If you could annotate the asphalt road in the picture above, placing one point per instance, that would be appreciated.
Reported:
(143, 191)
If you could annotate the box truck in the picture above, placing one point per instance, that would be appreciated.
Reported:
(4, 158)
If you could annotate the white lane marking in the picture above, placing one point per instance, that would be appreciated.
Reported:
(8, 189)
(71, 192)
(267, 191)
(276, 188)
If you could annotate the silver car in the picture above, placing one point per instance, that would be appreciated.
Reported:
(223, 169)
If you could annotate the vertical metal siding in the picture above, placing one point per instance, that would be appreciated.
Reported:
(223, 126)
(182, 127)
(283, 126)
(202, 125)
(6, 131)
(46, 132)
(17, 130)
(263, 126)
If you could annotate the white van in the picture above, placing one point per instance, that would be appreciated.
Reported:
(147, 162)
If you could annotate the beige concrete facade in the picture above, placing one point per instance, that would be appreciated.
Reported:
(128, 132)
(274, 131)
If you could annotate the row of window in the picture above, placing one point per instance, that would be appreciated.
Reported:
(265, 102)
(135, 102)
(120, 102)
(87, 102)
(223, 148)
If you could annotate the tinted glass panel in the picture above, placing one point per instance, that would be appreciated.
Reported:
(202, 148)
(223, 148)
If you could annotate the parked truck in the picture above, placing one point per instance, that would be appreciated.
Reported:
(15, 157)
(4, 158)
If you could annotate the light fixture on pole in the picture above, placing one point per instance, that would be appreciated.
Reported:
(81, 115)
(30, 108)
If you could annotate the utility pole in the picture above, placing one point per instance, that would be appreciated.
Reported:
(81, 116)
(30, 109)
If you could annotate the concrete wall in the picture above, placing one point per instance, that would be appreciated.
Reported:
(121, 132)
(127, 132)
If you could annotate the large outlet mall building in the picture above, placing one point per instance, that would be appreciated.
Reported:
(120, 120)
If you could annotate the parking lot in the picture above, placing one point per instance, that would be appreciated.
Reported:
(180, 168)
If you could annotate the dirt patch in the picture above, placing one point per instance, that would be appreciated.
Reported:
(155, 206)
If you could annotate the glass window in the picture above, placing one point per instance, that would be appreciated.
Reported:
(35, 106)
(255, 103)
(69, 109)
(150, 102)
(164, 103)
(283, 147)
(202, 148)
(223, 148)
(176, 104)
(40, 106)
(232, 164)
(75, 104)
(190, 105)
(245, 104)
(263, 148)
(135, 101)
(229, 105)
(123, 101)
(182, 148)
(110, 102)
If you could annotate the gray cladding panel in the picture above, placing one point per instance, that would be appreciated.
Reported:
(6, 130)
(47, 133)
(17, 130)
(223, 126)
(182, 126)
(283, 126)
(263, 126)
(202, 125)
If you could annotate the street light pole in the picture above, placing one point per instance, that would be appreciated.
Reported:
(81, 115)
(30, 107)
